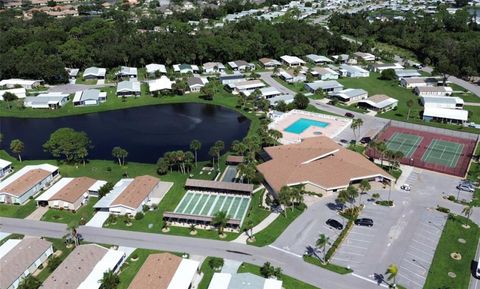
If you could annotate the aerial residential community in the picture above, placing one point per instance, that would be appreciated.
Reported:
(239, 144)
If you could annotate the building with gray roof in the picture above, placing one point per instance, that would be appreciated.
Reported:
(89, 97)
(128, 88)
(94, 73)
(324, 85)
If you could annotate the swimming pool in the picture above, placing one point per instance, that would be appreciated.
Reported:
(302, 124)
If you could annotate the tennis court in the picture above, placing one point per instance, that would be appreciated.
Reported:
(444, 153)
(208, 203)
(403, 142)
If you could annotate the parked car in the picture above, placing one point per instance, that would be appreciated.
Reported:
(344, 141)
(364, 222)
(365, 140)
(477, 272)
(335, 224)
(466, 188)
(349, 114)
(406, 187)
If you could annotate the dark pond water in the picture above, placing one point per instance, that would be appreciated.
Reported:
(145, 132)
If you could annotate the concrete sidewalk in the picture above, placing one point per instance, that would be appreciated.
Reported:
(242, 239)
(37, 214)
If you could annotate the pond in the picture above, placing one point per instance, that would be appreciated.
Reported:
(145, 132)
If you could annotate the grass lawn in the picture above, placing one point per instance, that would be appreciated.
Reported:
(288, 282)
(312, 108)
(329, 266)
(352, 107)
(356, 148)
(468, 97)
(207, 274)
(473, 113)
(395, 50)
(296, 87)
(82, 216)
(17, 211)
(391, 88)
(474, 175)
(443, 263)
(11, 236)
(256, 213)
(276, 228)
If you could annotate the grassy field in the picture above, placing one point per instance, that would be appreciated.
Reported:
(276, 228)
(207, 274)
(17, 211)
(296, 87)
(473, 113)
(391, 88)
(257, 213)
(329, 266)
(443, 263)
(474, 175)
(312, 108)
(288, 282)
(82, 216)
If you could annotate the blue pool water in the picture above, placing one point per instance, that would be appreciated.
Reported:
(303, 123)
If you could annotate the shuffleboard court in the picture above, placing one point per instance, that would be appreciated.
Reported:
(403, 142)
(443, 153)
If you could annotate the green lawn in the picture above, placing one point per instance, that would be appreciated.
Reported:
(11, 236)
(391, 88)
(288, 282)
(312, 108)
(17, 211)
(82, 216)
(207, 274)
(276, 228)
(329, 266)
(468, 97)
(296, 87)
(474, 175)
(256, 213)
(473, 113)
(443, 263)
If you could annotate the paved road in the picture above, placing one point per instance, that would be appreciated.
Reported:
(72, 88)
(291, 265)
(267, 77)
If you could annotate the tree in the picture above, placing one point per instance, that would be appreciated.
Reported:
(267, 270)
(29, 282)
(321, 244)
(208, 91)
(364, 187)
(195, 145)
(381, 148)
(17, 147)
(105, 189)
(162, 166)
(467, 211)
(220, 145)
(72, 227)
(300, 101)
(220, 220)
(356, 125)
(82, 154)
(110, 280)
(68, 143)
(120, 154)
(8, 97)
(410, 104)
(213, 152)
(284, 197)
(388, 74)
(53, 263)
(392, 272)
(215, 263)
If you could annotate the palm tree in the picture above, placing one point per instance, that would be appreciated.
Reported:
(82, 153)
(410, 104)
(467, 211)
(220, 145)
(356, 124)
(321, 244)
(29, 282)
(195, 145)
(364, 187)
(17, 147)
(392, 272)
(284, 197)
(220, 220)
(213, 152)
(381, 147)
(359, 125)
(72, 227)
(110, 280)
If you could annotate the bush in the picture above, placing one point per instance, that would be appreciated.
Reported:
(215, 263)
(338, 241)
(53, 263)
(145, 208)
(134, 255)
(139, 216)
(384, 203)
(451, 198)
(443, 209)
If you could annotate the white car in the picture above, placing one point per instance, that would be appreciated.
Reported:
(406, 187)
(477, 272)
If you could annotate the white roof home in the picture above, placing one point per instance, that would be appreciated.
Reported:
(325, 73)
(379, 102)
(72, 72)
(433, 90)
(442, 102)
(292, 60)
(266, 92)
(89, 97)
(450, 115)
(379, 67)
(5, 168)
(126, 71)
(94, 72)
(25, 83)
(185, 68)
(269, 62)
(353, 71)
(406, 73)
(364, 56)
(287, 98)
(154, 67)
(129, 195)
(241, 65)
(27, 182)
(213, 67)
(227, 79)
(324, 85)
(243, 281)
(162, 83)
(20, 258)
(128, 87)
(413, 82)
(19, 92)
(50, 100)
(84, 267)
(318, 59)
(350, 94)
(240, 87)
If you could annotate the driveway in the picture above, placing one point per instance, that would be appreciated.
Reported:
(229, 174)
(98, 219)
(267, 78)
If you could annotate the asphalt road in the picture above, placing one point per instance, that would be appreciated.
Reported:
(290, 264)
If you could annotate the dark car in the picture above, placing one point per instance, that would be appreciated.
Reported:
(344, 141)
(364, 222)
(335, 224)
(349, 114)
(365, 140)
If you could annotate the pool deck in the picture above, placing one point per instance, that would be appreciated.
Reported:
(335, 125)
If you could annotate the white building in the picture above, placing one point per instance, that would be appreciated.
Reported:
(213, 67)
(265, 92)
(318, 59)
(431, 113)
(20, 258)
(353, 71)
(292, 60)
(152, 68)
(291, 76)
(5, 168)
(243, 86)
(323, 85)
(127, 72)
(196, 83)
(379, 67)
(433, 90)
(94, 73)
(364, 56)
(406, 73)
(242, 280)
(419, 82)
(350, 95)
(325, 73)
(241, 65)
(51, 100)
(25, 83)
(161, 84)
(89, 97)
(27, 182)
(185, 68)
(269, 63)
(128, 88)
(379, 102)
(129, 195)
(19, 92)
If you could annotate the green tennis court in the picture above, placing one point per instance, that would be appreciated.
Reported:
(444, 153)
(208, 203)
(403, 142)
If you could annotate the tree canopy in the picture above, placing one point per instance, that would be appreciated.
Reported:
(68, 143)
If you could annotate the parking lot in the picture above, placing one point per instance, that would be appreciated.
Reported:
(360, 239)
(413, 268)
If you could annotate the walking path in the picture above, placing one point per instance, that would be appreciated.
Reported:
(37, 214)
(242, 239)
(472, 104)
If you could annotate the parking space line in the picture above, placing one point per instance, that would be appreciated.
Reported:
(415, 264)
(423, 244)
(410, 280)
(427, 239)
(359, 240)
(359, 247)
(358, 233)
(422, 251)
(350, 253)
(416, 257)
(406, 269)
(345, 260)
